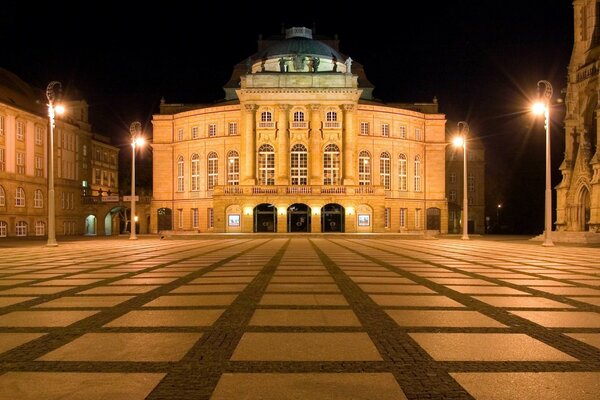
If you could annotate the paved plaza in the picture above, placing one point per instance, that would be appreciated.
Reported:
(299, 317)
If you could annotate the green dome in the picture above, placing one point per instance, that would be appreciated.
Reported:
(298, 46)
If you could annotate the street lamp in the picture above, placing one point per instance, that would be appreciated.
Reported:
(461, 140)
(52, 94)
(543, 107)
(136, 141)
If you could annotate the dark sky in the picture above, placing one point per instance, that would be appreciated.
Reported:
(482, 59)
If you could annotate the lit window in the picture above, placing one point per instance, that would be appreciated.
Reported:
(20, 197)
(471, 182)
(385, 130)
(403, 212)
(212, 130)
(403, 172)
(233, 168)
(233, 129)
(39, 135)
(213, 170)
(402, 132)
(364, 168)
(20, 133)
(384, 170)
(180, 176)
(417, 173)
(299, 165)
(2, 197)
(195, 218)
(179, 134)
(418, 133)
(20, 163)
(331, 165)
(40, 228)
(266, 165)
(331, 116)
(364, 128)
(298, 116)
(418, 218)
(3, 229)
(38, 199)
(21, 228)
(195, 175)
(210, 218)
(194, 132)
(452, 195)
(388, 217)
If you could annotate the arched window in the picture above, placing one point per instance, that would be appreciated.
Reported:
(417, 173)
(266, 116)
(213, 170)
(180, 174)
(40, 228)
(403, 172)
(2, 197)
(20, 197)
(38, 199)
(364, 168)
(384, 170)
(331, 165)
(195, 182)
(331, 116)
(21, 228)
(299, 164)
(266, 165)
(298, 116)
(3, 229)
(233, 168)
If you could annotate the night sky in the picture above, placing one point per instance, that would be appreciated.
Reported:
(481, 59)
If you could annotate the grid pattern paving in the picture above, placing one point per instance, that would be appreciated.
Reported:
(299, 318)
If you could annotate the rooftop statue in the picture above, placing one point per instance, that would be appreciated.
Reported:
(348, 63)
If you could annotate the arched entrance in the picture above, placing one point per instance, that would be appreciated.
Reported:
(583, 214)
(433, 219)
(90, 225)
(165, 219)
(298, 218)
(332, 218)
(111, 227)
(265, 218)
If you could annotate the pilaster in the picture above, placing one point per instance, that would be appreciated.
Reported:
(248, 146)
(349, 145)
(283, 144)
(315, 145)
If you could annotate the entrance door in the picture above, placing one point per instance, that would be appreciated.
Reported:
(165, 219)
(332, 218)
(265, 218)
(90, 225)
(298, 218)
(585, 212)
(433, 219)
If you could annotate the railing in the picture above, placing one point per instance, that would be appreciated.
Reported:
(87, 200)
(303, 190)
(332, 125)
(299, 124)
(264, 190)
(587, 71)
(299, 190)
(266, 125)
(364, 190)
(233, 190)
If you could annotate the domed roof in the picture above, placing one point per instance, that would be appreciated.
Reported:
(298, 45)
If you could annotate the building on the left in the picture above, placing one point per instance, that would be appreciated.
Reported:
(85, 167)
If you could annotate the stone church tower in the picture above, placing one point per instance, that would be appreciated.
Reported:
(578, 195)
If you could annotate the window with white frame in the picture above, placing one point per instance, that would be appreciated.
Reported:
(232, 129)
(471, 182)
(210, 217)
(266, 116)
(384, 170)
(179, 134)
(2, 160)
(39, 166)
(20, 163)
(21, 228)
(38, 199)
(40, 228)
(299, 165)
(364, 128)
(212, 168)
(266, 165)
(387, 217)
(233, 168)
(364, 168)
(97, 176)
(418, 134)
(402, 131)
(195, 218)
(403, 172)
(453, 177)
(180, 218)
(195, 175)
(20, 197)
(2, 196)
(180, 174)
(39, 135)
(20, 131)
(452, 195)
(1, 125)
(403, 212)
(298, 116)
(417, 173)
(3, 229)
(194, 132)
(331, 116)
(212, 130)
(385, 130)
(331, 165)
(417, 218)
(84, 150)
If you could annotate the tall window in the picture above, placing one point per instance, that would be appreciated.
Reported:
(21, 228)
(195, 175)
(1, 125)
(20, 134)
(453, 177)
(180, 218)
(233, 168)
(299, 164)
(364, 128)
(38, 199)
(331, 116)
(39, 135)
(298, 116)
(331, 165)
(194, 132)
(212, 130)
(385, 130)
(266, 165)
(20, 163)
(39, 166)
(233, 129)
(384, 170)
(40, 228)
(402, 132)
(3, 229)
(213, 170)
(403, 212)
(210, 217)
(2, 197)
(418, 134)
(179, 134)
(364, 168)
(403, 172)
(84, 150)
(20, 197)
(417, 173)
(388, 217)
(266, 116)
(418, 218)
(180, 174)
(195, 218)
(471, 182)
(2, 160)
(452, 195)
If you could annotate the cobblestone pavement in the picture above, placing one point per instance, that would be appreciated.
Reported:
(299, 318)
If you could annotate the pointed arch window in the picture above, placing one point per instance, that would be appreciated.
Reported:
(299, 165)
(384, 170)
(195, 175)
(417, 173)
(266, 165)
(364, 168)
(212, 168)
(331, 165)
(233, 168)
(180, 174)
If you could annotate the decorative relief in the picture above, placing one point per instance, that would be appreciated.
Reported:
(266, 137)
(348, 107)
(329, 136)
(250, 107)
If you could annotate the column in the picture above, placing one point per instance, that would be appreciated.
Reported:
(349, 145)
(314, 152)
(248, 146)
(283, 146)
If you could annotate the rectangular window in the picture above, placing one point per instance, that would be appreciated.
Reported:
(179, 134)
(418, 218)
(402, 132)
(40, 228)
(210, 218)
(470, 156)
(470, 200)
(3, 229)
(20, 134)
(471, 183)
(113, 181)
(453, 177)
(195, 218)
(212, 130)
(418, 134)
(98, 155)
(385, 130)
(387, 217)
(39, 135)
(194, 132)
(1, 125)
(364, 128)
(105, 181)
(2, 160)
(97, 177)
(403, 217)
(452, 195)
(39, 166)
(180, 218)
(233, 129)
(62, 200)
(20, 163)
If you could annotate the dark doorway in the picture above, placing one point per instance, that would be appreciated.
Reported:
(298, 218)
(332, 218)
(265, 218)
(433, 219)
(165, 219)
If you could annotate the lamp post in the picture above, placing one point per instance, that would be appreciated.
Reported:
(543, 106)
(52, 94)
(461, 140)
(136, 141)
